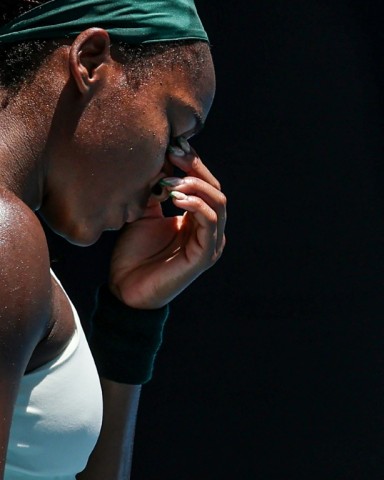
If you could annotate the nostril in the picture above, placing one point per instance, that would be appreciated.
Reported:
(157, 190)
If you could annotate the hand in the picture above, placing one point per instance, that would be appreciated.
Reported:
(157, 257)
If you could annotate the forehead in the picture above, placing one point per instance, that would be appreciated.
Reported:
(193, 87)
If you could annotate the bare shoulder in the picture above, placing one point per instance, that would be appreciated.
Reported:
(24, 301)
(25, 282)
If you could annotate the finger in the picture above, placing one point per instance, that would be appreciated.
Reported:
(191, 164)
(211, 235)
(215, 199)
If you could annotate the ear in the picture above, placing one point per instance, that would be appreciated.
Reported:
(89, 53)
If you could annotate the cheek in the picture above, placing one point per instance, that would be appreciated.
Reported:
(136, 135)
(150, 150)
(151, 162)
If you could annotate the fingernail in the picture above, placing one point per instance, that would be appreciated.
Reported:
(171, 181)
(183, 142)
(178, 195)
(178, 152)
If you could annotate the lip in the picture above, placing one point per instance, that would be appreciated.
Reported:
(127, 215)
(130, 216)
(133, 218)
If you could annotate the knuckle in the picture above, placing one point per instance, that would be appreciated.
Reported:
(192, 181)
(220, 249)
(222, 199)
(213, 218)
(196, 161)
(216, 184)
(199, 203)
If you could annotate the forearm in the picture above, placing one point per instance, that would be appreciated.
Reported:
(124, 343)
(112, 456)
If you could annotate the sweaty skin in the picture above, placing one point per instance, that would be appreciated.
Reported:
(85, 149)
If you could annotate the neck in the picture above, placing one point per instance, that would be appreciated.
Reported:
(21, 170)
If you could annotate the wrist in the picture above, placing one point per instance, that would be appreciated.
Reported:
(125, 340)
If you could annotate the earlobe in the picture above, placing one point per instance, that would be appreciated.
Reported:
(89, 53)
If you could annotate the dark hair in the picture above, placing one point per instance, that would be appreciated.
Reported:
(19, 61)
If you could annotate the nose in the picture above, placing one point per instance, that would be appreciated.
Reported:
(158, 193)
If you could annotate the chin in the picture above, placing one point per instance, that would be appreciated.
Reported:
(81, 237)
(81, 240)
(81, 233)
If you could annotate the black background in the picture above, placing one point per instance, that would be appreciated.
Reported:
(272, 365)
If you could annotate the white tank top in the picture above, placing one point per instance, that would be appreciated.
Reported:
(57, 416)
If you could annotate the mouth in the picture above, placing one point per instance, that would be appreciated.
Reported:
(129, 216)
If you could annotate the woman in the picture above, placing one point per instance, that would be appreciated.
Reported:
(90, 135)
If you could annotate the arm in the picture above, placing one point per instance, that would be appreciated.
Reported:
(25, 287)
(154, 260)
(112, 456)
(124, 342)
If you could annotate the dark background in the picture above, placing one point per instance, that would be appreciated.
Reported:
(273, 361)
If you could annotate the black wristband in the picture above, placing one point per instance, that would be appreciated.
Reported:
(124, 340)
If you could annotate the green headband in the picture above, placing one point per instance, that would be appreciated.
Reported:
(130, 21)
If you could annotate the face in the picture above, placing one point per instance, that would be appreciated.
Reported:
(103, 168)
